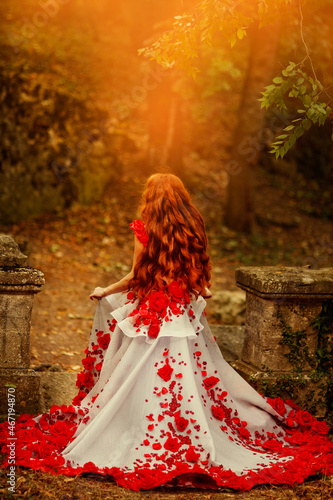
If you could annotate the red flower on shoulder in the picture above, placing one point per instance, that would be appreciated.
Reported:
(140, 231)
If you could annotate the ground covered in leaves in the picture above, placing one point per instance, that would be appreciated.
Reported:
(32, 485)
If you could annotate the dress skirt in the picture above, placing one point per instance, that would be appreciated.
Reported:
(158, 405)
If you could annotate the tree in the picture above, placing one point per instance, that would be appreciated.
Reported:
(298, 84)
(248, 139)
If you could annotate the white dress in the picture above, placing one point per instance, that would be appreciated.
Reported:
(159, 405)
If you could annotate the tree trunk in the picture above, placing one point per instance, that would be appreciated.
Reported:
(165, 126)
(248, 137)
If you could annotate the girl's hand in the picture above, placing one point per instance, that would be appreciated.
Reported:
(98, 293)
(207, 293)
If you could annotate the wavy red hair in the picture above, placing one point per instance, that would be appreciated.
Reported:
(177, 247)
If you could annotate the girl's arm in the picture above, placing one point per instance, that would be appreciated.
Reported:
(122, 284)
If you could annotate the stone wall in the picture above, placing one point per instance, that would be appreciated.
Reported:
(279, 353)
(18, 284)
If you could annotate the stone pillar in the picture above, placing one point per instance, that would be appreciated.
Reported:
(280, 298)
(18, 284)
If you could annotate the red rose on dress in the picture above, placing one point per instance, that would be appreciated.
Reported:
(172, 444)
(23, 418)
(297, 438)
(174, 308)
(304, 418)
(61, 429)
(140, 231)
(165, 372)
(153, 331)
(191, 456)
(292, 404)
(85, 379)
(181, 423)
(320, 427)
(43, 424)
(77, 400)
(99, 366)
(175, 290)
(134, 312)
(278, 405)
(54, 461)
(158, 302)
(90, 467)
(88, 362)
(44, 449)
(218, 412)
(104, 341)
(210, 382)
(290, 422)
(272, 445)
(244, 432)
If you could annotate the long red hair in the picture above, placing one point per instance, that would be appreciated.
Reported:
(177, 247)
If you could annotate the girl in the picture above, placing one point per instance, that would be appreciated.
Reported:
(157, 403)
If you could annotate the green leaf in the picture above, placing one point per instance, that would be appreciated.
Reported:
(299, 131)
(306, 124)
(290, 127)
(278, 79)
(292, 140)
(303, 89)
(283, 136)
(294, 92)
